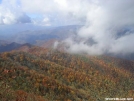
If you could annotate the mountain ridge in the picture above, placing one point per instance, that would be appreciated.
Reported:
(12, 46)
(55, 75)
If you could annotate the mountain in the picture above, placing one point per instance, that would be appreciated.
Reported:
(39, 74)
(33, 36)
(4, 46)
(126, 56)
(8, 30)
(3, 42)
(47, 36)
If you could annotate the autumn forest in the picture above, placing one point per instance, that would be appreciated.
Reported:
(40, 74)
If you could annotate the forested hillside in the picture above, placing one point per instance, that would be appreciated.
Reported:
(39, 74)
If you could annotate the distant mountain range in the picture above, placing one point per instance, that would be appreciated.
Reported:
(5, 47)
(47, 36)
(4, 42)
(41, 37)
(33, 36)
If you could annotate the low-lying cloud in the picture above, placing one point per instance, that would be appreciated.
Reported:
(103, 31)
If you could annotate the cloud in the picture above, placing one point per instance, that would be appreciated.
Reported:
(58, 11)
(44, 21)
(123, 45)
(103, 22)
(10, 13)
(38, 6)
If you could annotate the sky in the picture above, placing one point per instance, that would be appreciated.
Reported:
(41, 12)
(103, 20)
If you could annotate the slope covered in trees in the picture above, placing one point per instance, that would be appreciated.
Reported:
(46, 75)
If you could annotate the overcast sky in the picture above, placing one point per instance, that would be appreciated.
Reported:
(43, 12)
(102, 20)
(65, 12)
